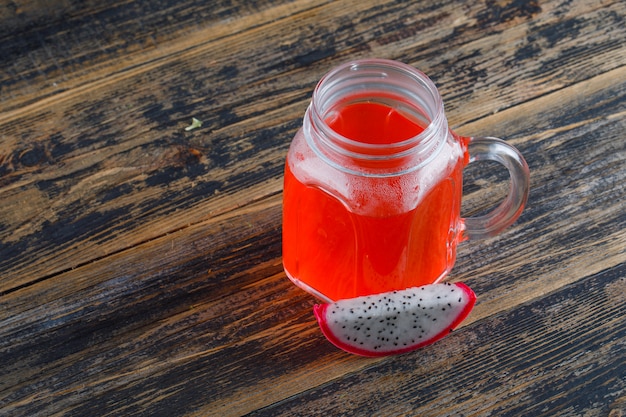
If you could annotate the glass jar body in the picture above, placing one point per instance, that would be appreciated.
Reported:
(373, 184)
(365, 210)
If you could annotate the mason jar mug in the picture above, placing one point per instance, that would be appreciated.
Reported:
(373, 184)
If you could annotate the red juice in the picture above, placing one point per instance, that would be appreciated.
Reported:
(345, 246)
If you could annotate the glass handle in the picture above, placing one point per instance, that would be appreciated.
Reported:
(492, 223)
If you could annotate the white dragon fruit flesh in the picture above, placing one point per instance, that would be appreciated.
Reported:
(397, 321)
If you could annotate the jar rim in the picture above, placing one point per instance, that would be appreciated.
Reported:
(405, 88)
(382, 67)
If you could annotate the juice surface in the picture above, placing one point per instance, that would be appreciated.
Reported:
(373, 123)
(336, 253)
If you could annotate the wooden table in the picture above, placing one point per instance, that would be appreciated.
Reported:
(140, 262)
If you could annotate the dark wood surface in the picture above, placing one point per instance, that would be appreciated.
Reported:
(140, 263)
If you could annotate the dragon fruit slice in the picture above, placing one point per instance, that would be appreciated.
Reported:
(397, 321)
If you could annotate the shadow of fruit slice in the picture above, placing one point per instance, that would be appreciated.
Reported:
(395, 322)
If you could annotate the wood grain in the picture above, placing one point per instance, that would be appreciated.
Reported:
(140, 269)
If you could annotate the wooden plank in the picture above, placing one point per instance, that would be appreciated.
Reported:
(93, 164)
